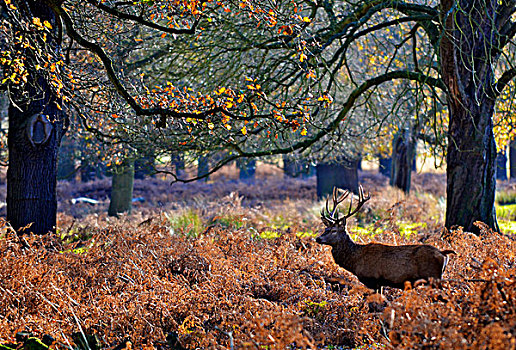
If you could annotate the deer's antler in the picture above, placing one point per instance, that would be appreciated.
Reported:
(331, 217)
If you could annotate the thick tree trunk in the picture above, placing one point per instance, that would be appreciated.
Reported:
(468, 55)
(35, 132)
(122, 189)
(403, 153)
(342, 175)
(471, 161)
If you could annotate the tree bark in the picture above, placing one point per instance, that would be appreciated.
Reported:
(122, 189)
(33, 145)
(468, 49)
(342, 175)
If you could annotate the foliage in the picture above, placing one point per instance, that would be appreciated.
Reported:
(139, 281)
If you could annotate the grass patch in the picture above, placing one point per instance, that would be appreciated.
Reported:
(505, 197)
(507, 226)
(187, 223)
(506, 212)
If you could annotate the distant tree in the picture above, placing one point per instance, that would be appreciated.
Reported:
(122, 188)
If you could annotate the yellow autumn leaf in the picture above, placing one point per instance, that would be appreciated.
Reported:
(302, 57)
(37, 21)
(244, 130)
(303, 132)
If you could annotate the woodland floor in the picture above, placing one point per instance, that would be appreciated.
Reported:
(226, 264)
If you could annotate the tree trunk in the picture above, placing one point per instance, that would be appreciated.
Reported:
(66, 161)
(143, 167)
(501, 166)
(122, 189)
(512, 159)
(342, 175)
(203, 167)
(296, 168)
(385, 166)
(247, 169)
(468, 49)
(403, 152)
(179, 164)
(36, 127)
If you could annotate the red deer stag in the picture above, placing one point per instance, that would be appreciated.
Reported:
(375, 264)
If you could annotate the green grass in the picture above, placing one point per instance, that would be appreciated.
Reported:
(506, 212)
(507, 226)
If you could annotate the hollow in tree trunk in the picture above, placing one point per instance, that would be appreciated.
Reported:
(36, 127)
(122, 188)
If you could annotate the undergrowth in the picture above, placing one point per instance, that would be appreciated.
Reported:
(219, 274)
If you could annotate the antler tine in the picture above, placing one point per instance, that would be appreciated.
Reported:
(338, 199)
(361, 201)
(331, 217)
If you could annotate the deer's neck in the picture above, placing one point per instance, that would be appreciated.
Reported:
(344, 253)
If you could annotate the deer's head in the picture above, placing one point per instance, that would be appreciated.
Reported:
(336, 230)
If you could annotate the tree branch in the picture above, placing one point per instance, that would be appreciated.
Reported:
(141, 20)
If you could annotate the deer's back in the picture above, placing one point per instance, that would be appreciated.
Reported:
(393, 265)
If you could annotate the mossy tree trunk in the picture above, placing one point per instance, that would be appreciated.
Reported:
(122, 188)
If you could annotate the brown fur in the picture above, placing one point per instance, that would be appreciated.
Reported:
(378, 265)
(375, 264)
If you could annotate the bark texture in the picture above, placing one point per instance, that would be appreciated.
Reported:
(33, 148)
(467, 51)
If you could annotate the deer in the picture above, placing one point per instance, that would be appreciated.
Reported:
(377, 265)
